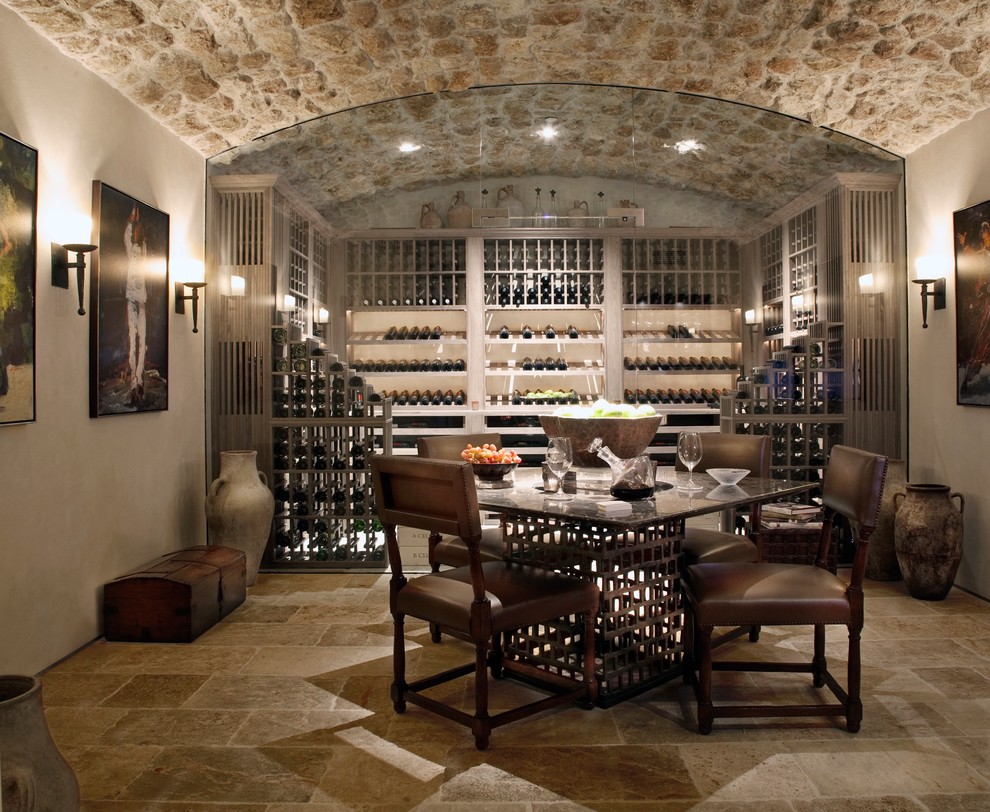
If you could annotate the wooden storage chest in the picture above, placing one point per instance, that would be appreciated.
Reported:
(175, 598)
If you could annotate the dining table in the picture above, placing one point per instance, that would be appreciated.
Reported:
(634, 557)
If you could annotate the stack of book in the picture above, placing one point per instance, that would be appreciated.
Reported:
(791, 514)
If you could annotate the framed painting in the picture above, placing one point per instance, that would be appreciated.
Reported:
(18, 238)
(128, 306)
(972, 243)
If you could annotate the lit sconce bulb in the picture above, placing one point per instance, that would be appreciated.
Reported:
(323, 315)
(238, 285)
(407, 146)
(288, 302)
(549, 129)
(750, 317)
(866, 283)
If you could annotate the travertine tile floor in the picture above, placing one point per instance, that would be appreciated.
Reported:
(284, 706)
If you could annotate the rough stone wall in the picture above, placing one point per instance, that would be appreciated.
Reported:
(221, 72)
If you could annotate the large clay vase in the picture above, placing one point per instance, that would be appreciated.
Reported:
(34, 777)
(881, 558)
(928, 538)
(239, 508)
(459, 213)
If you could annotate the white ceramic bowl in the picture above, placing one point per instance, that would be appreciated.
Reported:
(728, 476)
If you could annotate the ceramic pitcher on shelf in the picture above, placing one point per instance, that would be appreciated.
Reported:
(507, 199)
(428, 217)
(578, 211)
(459, 213)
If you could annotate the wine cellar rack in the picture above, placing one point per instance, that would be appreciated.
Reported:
(326, 423)
(797, 399)
(681, 301)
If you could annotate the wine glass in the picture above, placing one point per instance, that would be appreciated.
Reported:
(689, 453)
(559, 459)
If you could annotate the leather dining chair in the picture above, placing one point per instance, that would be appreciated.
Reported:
(482, 601)
(451, 551)
(766, 594)
(752, 452)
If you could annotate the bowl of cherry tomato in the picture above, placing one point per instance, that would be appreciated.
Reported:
(490, 464)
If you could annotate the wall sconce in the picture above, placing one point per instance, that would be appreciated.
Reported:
(61, 265)
(927, 269)
(180, 300)
(288, 303)
(866, 285)
(750, 318)
(238, 285)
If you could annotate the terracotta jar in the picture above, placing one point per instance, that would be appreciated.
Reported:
(33, 773)
(579, 211)
(881, 558)
(506, 199)
(928, 538)
(459, 213)
(239, 508)
(428, 217)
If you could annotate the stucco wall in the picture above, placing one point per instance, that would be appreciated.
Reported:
(948, 443)
(83, 500)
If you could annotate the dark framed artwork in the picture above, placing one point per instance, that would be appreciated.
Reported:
(18, 239)
(128, 306)
(972, 240)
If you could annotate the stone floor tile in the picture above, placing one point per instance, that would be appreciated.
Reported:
(155, 691)
(172, 727)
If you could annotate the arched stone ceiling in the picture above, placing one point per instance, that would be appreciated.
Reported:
(757, 159)
(221, 73)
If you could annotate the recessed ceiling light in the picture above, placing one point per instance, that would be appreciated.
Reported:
(405, 146)
(549, 129)
(687, 145)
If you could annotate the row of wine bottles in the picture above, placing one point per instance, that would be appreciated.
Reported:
(519, 294)
(405, 365)
(702, 397)
(681, 362)
(426, 397)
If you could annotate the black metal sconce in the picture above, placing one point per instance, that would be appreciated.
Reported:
(181, 297)
(61, 265)
(937, 293)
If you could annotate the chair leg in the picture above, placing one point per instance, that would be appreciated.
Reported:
(481, 725)
(818, 664)
(435, 635)
(704, 648)
(495, 658)
(399, 665)
(754, 634)
(854, 705)
(688, 664)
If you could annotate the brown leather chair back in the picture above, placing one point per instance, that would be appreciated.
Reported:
(854, 485)
(450, 446)
(434, 495)
(733, 451)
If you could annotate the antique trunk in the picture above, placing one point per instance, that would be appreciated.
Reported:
(175, 598)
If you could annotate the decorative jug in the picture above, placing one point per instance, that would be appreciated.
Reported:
(580, 209)
(507, 199)
(459, 213)
(239, 508)
(928, 538)
(429, 218)
(632, 479)
(34, 774)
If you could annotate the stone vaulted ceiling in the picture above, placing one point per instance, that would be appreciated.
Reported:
(219, 74)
